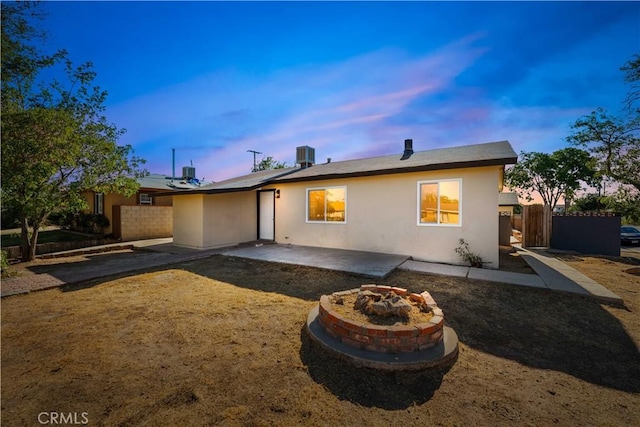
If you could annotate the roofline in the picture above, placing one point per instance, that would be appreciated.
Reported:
(423, 168)
(278, 179)
(226, 190)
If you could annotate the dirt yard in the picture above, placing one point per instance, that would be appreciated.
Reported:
(221, 341)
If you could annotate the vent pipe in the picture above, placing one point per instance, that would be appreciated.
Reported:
(408, 149)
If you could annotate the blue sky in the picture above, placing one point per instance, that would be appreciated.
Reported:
(215, 79)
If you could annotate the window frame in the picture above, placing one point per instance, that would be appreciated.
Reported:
(148, 195)
(325, 221)
(98, 203)
(419, 203)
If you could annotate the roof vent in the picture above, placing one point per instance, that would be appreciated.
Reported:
(305, 156)
(408, 149)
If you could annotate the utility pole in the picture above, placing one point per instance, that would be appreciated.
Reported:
(255, 165)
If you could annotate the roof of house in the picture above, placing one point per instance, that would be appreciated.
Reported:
(508, 199)
(246, 182)
(489, 154)
(155, 181)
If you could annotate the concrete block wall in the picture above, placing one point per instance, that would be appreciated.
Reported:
(145, 222)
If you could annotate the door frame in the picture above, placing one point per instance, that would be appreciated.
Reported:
(258, 215)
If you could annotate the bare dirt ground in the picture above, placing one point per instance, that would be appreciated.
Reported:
(221, 341)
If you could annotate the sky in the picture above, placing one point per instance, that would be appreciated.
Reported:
(215, 79)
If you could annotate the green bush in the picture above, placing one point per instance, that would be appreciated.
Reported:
(94, 223)
(4, 265)
(84, 222)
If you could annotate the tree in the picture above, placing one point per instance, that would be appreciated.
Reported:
(613, 141)
(632, 76)
(56, 142)
(268, 163)
(552, 176)
(590, 202)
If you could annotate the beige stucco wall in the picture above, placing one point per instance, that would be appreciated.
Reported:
(145, 222)
(230, 219)
(214, 220)
(188, 214)
(506, 209)
(382, 216)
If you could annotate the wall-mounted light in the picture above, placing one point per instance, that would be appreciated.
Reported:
(277, 194)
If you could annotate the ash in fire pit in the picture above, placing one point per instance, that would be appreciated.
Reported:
(385, 305)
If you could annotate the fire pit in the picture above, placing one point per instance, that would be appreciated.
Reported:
(383, 327)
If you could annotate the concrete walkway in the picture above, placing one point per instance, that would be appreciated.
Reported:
(551, 273)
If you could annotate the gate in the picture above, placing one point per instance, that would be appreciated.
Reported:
(536, 226)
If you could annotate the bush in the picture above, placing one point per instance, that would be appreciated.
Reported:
(463, 251)
(84, 222)
(4, 265)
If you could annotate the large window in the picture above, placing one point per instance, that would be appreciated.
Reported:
(439, 202)
(327, 204)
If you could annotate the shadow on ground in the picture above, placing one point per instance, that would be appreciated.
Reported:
(534, 327)
(368, 387)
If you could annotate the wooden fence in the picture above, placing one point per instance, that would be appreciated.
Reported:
(536, 226)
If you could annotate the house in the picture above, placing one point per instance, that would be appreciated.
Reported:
(414, 203)
(506, 203)
(147, 195)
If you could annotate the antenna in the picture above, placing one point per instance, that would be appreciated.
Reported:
(254, 158)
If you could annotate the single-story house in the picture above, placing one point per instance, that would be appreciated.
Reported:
(506, 203)
(414, 203)
(147, 195)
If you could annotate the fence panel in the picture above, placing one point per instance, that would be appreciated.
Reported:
(536, 226)
(587, 233)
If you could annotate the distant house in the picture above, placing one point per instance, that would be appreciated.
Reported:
(506, 203)
(150, 186)
(414, 203)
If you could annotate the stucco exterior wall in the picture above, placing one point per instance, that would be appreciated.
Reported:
(382, 216)
(188, 214)
(214, 220)
(229, 219)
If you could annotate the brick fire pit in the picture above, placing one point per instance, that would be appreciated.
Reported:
(420, 344)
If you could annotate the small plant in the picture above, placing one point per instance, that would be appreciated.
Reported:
(4, 266)
(463, 251)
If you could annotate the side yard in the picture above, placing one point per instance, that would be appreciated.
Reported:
(221, 341)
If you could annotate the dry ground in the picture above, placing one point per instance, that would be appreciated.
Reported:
(220, 341)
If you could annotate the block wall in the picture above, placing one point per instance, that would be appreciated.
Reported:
(145, 222)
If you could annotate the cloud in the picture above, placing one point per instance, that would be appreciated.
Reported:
(340, 108)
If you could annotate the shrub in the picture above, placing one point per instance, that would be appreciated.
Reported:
(84, 222)
(4, 265)
(463, 251)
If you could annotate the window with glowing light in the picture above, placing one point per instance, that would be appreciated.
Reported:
(439, 202)
(327, 204)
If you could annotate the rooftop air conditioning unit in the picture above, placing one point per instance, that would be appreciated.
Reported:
(305, 156)
(188, 172)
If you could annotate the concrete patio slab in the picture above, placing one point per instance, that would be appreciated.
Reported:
(365, 263)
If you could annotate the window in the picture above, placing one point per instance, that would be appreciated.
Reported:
(145, 199)
(439, 202)
(327, 204)
(98, 203)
